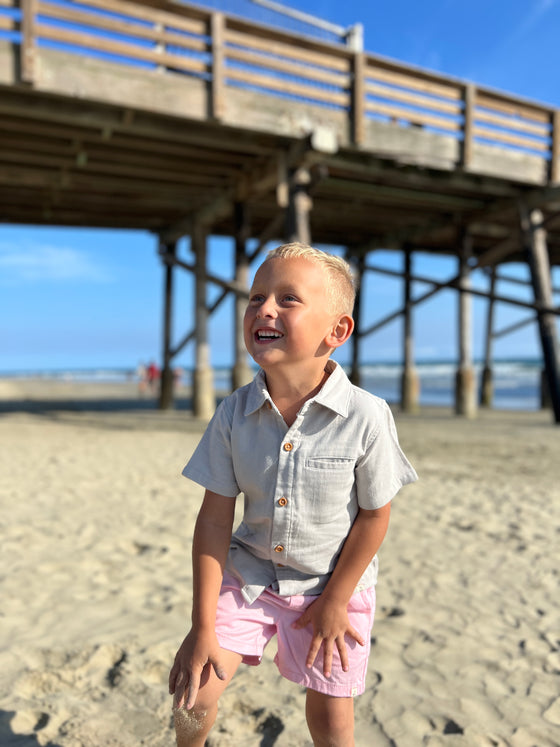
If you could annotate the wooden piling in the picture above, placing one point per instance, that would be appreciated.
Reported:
(465, 395)
(410, 383)
(204, 400)
(537, 254)
(299, 207)
(28, 46)
(166, 380)
(241, 373)
(356, 339)
(487, 383)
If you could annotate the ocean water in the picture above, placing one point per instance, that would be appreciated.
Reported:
(516, 382)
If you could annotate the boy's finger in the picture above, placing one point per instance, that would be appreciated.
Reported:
(175, 678)
(343, 653)
(327, 658)
(179, 691)
(221, 673)
(313, 651)
(179, 698)
(194, 684)
(353, 633)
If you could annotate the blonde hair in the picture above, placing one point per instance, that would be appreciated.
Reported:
(340, 282)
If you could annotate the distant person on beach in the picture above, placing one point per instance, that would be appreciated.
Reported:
(152, 375)
(142, 378)
(178, 374)
(319, 462)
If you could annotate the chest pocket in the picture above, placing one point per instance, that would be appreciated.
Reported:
(330, 483)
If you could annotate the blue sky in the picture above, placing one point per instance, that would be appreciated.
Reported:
(93, 298)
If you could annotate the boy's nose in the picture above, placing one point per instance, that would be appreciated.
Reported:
(267, 308)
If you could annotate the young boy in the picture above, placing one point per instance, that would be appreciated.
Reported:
(318, 462)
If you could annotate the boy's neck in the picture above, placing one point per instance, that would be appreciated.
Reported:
(289, 393)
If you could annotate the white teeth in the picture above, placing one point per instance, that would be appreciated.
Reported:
(271, 333)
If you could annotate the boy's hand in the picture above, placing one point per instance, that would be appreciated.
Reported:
(198, 650)
(330, 624)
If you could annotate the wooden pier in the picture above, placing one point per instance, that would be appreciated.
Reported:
(162, 116)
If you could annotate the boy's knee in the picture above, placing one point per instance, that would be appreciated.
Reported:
(331, 733)
(331, 724)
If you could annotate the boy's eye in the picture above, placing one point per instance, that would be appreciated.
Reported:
(289, 298)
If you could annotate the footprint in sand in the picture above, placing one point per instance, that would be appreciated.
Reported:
(422, 648)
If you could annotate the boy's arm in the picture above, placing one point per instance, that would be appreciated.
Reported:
(327, 614)
(211, 540)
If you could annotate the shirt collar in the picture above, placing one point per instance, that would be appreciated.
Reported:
(335, 393)
(257, 395)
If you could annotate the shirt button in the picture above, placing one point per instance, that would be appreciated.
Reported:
(279, 548)
(282, 501)
(288, 446)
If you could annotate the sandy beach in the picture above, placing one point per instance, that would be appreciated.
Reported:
(96, 526)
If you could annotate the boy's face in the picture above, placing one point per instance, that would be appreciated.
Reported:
(289, 314)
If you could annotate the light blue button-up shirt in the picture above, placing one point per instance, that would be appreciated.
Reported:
(303, 485)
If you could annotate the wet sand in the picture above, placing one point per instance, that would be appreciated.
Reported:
(96, 526)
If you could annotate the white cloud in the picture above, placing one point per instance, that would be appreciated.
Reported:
(31, 262)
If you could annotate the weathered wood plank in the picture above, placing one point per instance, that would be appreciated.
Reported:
(412, 116)
(218, 72)
(177, 19)
(505, 137)
(287, 50)
(555, 148)
(289, 87)
(28, 50)
(82, 164)
(358, 113)
(8, 24)
(468, 125)
(415, 99)
(288, 40)
(376, 71)
(508, 105)
(513, 124)
(90, 41)
(97, 21)
(341, 80)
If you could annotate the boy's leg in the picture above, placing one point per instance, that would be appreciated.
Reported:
(192, 727)
(330, 719)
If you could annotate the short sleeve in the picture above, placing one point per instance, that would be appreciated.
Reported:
(384, 469)
(211, 464)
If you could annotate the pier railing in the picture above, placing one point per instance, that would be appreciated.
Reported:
(227, 52)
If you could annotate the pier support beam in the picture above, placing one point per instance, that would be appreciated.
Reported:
(487, 382)
(545, 398)
(356, 339)
(410, 383)
(465, 393)
(242, 373)
(204, 399)
(168, 253)
(537, 253)
(299, 207)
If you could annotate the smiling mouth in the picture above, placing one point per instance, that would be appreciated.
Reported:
(267, 335)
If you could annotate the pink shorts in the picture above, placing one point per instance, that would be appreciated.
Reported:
(247, 629)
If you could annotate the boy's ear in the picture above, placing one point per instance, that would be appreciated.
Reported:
(340, 331)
